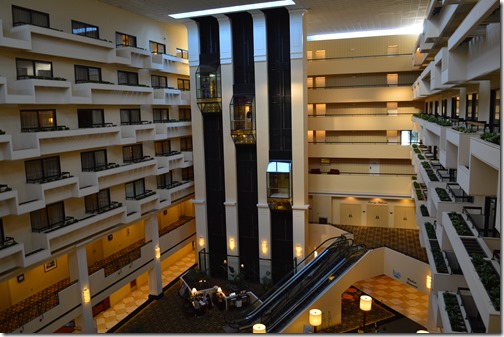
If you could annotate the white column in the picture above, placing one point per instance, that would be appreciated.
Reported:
(484, 101)
(462, 102)
(155, 279)
(227, 80)
(299, 134)
(262, 142)
(199, 200)
(78, 265)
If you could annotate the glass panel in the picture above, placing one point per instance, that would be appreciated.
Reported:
(95, 74)
(87, 161)
(29, 120)
(103, 198)
(130, 190)
(43, 69)
(100, 158)
(51, 167)
(34, 171)
(56, 214)
(47, 118)
(24, 68)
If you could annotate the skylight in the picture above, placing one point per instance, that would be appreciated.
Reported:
(231, 9)
(411, 30)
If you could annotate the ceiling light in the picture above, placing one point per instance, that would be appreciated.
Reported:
(231, 9)
(410, 30)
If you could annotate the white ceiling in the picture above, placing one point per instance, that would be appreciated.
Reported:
(322, 16)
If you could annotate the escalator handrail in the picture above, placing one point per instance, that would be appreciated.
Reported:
(340, 268)
(274, 296)
(283, 292)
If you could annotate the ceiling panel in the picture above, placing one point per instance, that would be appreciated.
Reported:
(322, 16)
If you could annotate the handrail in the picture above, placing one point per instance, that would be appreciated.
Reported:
(307, 293)
(306, 276)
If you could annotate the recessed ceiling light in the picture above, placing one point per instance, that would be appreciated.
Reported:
(231, 9)
(410, 30)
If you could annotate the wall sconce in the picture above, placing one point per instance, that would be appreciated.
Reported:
(299, 250)
(232, 244)
(242, 266)
(259, 328)
(86, 295)
(428, 281)
(315, 318)
(194, 291)
(158, 252)
(201, 241)
(264, 247)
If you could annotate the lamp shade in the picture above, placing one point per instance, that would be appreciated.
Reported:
(194, 291)
(315, 317)
(259, 328)
(219, 289)
(158, 253)
(422, 331)
(365, 303)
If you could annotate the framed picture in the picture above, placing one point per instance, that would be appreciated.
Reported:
(50, 265)
(20, 278)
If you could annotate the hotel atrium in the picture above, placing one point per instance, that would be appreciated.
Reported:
(320, 147)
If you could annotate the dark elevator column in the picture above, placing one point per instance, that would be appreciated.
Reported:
(208, 92)
(242, 118)
(280, 134)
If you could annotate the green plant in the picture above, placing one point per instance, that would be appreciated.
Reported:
(424, 210)
(431, 232)
(443, 195)
(419, 194)
(463, 129)
(454, 313)
(489, 278)
(426, 164)
(491, 137)
(459, 224)
(432, 176)
(237, 280)
(266, 282)
(416, 184)
(439, 260)
(420, 156)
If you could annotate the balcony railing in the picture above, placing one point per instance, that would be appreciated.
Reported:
(59, 176)
(45, 128)
(32, 307)
(458, 194)
(119, 259)
(52, 227)
(480, 221)
(100, 167)
(144, 195)
(7, 242)
(180, 222)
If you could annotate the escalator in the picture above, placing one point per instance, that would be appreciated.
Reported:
(290, 298)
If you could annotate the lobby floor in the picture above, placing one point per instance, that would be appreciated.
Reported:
(404, 300)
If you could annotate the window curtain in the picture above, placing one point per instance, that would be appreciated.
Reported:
(39, 220)
(51, 167)
(34, 171)
(29, 120)
(56, 213)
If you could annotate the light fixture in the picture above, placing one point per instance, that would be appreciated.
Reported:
(219, 290)
(242, 266)
(259, 328)
(158, 252)
(422, 331)
(365, 305)
(264, 247)
(232, 244)
(299, 250)
(87, 295)
(428, 282)
(231, 9)
(194, 291)
(201, 241)
(315, 318)
(409, 30)
(51, 120)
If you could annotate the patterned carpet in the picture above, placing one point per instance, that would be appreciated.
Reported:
(405, 241)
